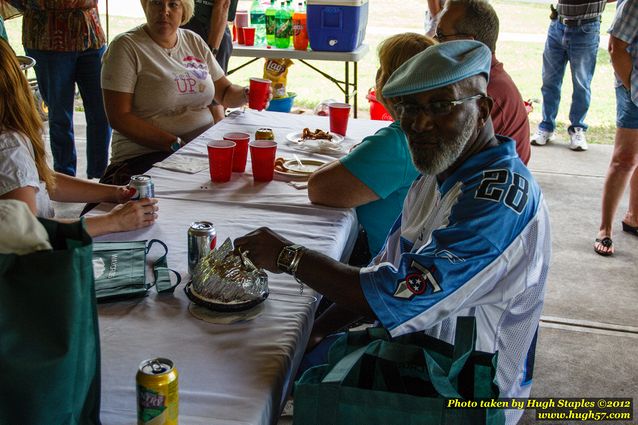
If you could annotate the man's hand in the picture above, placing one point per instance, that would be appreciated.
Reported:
(262, 247)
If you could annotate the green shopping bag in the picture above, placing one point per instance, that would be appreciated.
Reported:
(49, 339)
(120, 270)
(371, 378)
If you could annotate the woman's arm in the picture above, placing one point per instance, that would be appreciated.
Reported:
(230, 95)
(119, 110)
(333, 185)
(72, 189)
(130, 216)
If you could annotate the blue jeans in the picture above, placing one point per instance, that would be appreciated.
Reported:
(578, 46)
(57, 73)
(626, 110)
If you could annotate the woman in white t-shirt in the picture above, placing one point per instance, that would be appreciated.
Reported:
(26, 176)
(159, 82)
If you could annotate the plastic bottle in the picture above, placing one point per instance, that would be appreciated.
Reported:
(258, 20)
(270, 23)
(282, 28)
(300, 28)
(291, 11)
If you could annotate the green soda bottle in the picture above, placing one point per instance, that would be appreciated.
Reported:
(258, 20)
(270, 23)
(283, 28)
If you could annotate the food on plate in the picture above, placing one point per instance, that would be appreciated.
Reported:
(264, 134)
(224, 277)
(279, 164)
(318, 134)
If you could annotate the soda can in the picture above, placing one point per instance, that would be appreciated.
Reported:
(157, 392)
(143, 185)
(202, 238)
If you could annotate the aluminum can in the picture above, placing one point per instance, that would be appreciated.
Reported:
(202, 238)
(264, 134)
(157, 392)
(143, 185)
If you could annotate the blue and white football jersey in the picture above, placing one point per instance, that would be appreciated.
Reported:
(477, 244)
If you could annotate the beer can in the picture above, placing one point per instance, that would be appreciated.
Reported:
(202, 238)
(143, 185)
(157, 392)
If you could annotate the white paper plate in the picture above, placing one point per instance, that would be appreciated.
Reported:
(288, 175)
(296, 138)
(307, 166)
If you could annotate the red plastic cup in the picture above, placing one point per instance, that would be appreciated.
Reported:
(220, 160)
(241, 149)
(241, 21)
(339, 113)
(240, 35)
(249, 36)
(262, 156)
(258, 95)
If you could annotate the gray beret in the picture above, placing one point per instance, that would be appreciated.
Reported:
(438, 66)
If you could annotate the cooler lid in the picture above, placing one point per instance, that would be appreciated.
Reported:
(336, 2)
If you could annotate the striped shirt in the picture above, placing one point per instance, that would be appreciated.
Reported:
(580, 9)
(625, 27)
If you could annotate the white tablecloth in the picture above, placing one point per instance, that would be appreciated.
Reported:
(228, 374)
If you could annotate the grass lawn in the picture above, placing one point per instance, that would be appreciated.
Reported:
(522, 59)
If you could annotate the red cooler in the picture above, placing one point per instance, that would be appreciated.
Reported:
(377, 110)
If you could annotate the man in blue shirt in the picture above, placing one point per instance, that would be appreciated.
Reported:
(473, 236)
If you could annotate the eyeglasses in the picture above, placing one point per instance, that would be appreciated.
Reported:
(440, 36)
(172, 5)
(442, 107)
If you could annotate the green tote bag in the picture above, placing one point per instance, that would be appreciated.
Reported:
(374, 379)
(49, 339)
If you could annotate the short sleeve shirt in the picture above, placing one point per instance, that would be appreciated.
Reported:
(384, 164)
(18, 169)
(476, 244)
(625, 28)
(508, 112)
(172, 88)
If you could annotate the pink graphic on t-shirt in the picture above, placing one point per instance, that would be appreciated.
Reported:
(185, 83)
(196, 66)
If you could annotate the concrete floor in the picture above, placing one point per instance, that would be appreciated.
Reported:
(588, 340)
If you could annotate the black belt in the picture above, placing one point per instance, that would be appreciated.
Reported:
(576, 22)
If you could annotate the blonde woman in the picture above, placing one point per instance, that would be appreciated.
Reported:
(159, 83)
(26, 176)
(375, 177)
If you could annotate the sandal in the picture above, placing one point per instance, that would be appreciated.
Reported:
(629, 229)
(606, 242)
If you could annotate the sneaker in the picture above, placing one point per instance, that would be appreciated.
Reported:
(577, 141)
(542, 137)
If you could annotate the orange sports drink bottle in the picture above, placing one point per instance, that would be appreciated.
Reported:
(300, 29)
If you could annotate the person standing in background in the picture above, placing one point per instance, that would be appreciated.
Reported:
(433, 16)
(573, 36)
(210, 22)
(66, 39)
(623, 168)
(477, 20)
